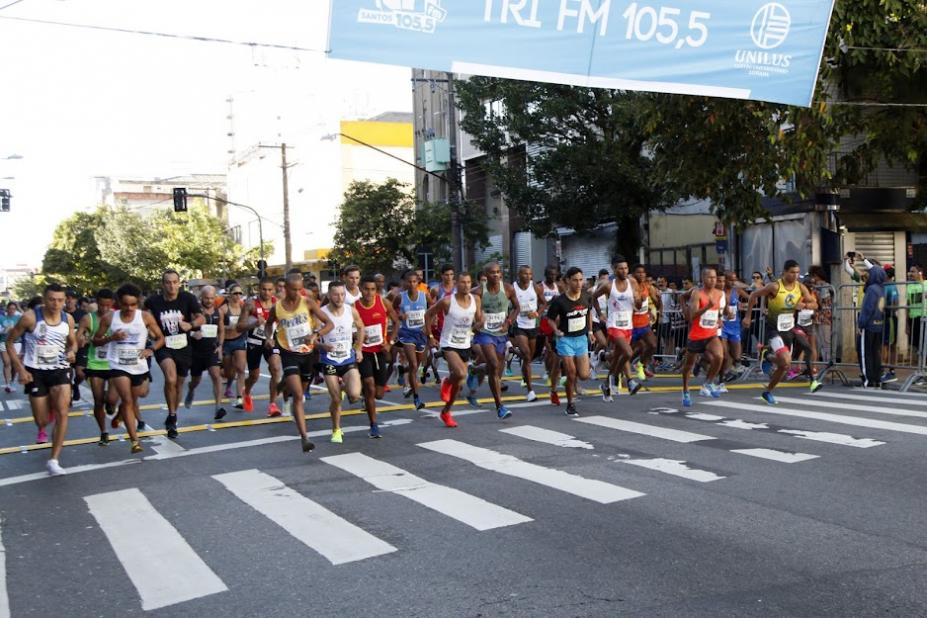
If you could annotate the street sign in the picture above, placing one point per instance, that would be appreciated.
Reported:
(721, 246)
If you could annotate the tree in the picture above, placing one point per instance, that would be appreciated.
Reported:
(27, 287)
(74, 258)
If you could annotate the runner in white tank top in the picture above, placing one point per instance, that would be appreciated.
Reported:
(624, 297)
(531, 304)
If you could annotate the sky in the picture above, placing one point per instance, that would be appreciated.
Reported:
(80, 103)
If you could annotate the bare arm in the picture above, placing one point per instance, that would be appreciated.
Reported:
(154, 331)
(25, 323)
(269, 325)
(83, 328)
(808, 300)
(768, 290)
(321, 316)
(71, 350)
(361, 334)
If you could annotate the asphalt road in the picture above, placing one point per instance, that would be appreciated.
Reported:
(731, 508)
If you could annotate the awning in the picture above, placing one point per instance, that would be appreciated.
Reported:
(884, 221)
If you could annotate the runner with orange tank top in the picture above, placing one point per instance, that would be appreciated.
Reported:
(705, 313)
(254, 316)
(374, 313)
(643, 339)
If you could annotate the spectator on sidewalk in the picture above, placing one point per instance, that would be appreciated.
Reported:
(890, 332)
(823, 317)
(870, 324)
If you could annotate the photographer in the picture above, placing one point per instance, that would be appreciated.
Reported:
(870, 322)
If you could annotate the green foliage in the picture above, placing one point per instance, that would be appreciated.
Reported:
(380, 229)
(109, 246)
(27, 287)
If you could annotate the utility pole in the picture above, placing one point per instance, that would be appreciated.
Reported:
(287, 242)
(454, 192)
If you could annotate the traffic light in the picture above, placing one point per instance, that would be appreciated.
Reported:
(180, 199)
(5, 200)
(262, 269)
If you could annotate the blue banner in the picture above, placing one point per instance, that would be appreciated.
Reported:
(742, 49)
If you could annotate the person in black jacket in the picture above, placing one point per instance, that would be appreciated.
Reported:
(870, 324)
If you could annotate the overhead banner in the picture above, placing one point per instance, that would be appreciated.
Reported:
(743, 49)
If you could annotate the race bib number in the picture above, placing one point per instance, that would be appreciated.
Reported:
(233, 320)
(785, 322)
(460, 336)
(576, 324)
(709, 319)
(529, 307)
(176, 342)
(805, 317)
(47, 354)
(621, 320)
(341, 350)
(128, 357)
(259, 332)
(101, 353)
(297, 334)
(374, 335)
(415, 319)
(494, 321)
(210, 330)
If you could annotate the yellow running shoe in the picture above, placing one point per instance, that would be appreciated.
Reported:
(337, 436)
(641, 376)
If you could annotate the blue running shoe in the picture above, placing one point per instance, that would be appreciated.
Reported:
(503, 412)
(308, 395)
(471, 399)
(374, 431)
(686, 400)
(418, 402)
(768, 398)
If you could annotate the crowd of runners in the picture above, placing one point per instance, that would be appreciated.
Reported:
(360, 332)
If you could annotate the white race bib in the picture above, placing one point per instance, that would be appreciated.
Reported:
(460, 334)
(576, 324)
(785, 322)
(415, 319)
(101, 353)
(341, 350)
(233, 320)
(297, 334)
(176, 342)
(374, 335)
(709, 319)
(210, 330)
(127, 356)
(494, 320)
(805, 317)
(259, 332)
(47, 354)
(621, 320)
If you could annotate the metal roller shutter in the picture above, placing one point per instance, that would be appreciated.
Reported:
(493, 250)
(878, 245)
(590, 252)
(522, 250)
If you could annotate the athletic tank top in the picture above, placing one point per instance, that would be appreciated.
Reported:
(457, 332)
(641, 317)
(295, 329)
(350, 298)
(527, 303)
(341, 337)
(706, 326)
(781, 307)
(414, 311)
(374, 319)
(125, 355)
(495, 309)
(257, 335)
(231, 324)
(204, 340)
(734, 302)
(96, 354)
(549, 293)
(46, 346)
(620, 306)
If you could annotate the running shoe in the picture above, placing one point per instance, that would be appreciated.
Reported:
(104, 439)
(228, 391)
(648, 373)
(606, 392)
(696, 370)
(114, 423)
(136, 447)
(170, 424)
(54, 468)
(141, 426)
(307, 445)
(219, 415)
(41, 437)
(472, 400)
(531, 396)
(448, 420)
(504, 387)
(7, 389)
(508, 372)
(473, 382)
(815, 386)
(239, 404)
(706, 391)
(407, 393)
(374, 431)
(273, 411)
(401, 377)
(425, 373)
(188, 400)
(571, 410)
(419, 404)
(633, 386)
(249, 403)
(387, 388)
(446, 390)
(337, 436)
(307, 396)
(641, 375)
(686, 399)
(554, 398)
(768, 398)
(503, 413)
(791, 375)
(594, 362)
(722, 388)
(888, 377)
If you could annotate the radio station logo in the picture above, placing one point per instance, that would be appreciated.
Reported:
(770, 29)
(416, 15)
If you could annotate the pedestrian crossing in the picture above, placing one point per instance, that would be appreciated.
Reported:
(165, 570)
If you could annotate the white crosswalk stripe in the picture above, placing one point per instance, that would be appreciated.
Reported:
(767, 453)
(839, 394)
(160, 563)
(856, 407)
(654, 431)
(4, 597)
(859, 389)
(465, 508)
(666, 466)
(857, 421)
(597, 491)
(335, 538)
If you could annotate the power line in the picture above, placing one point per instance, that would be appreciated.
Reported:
(6, 6)
(912, 50)
(169, 35)
(872, 104)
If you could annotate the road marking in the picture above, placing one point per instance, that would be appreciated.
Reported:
(38, 476)
(163, 446)
(597, 491)
(674, 435)
(465, 508)
(160, 563)
(674, 468)
(4, 597)
(840, 405)
(336, 539)
(871, 423)
(736, 423)
(833, 438)
(539, 434)
(780, 456)
(704, 417)
(922, 396)
(857, 397)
